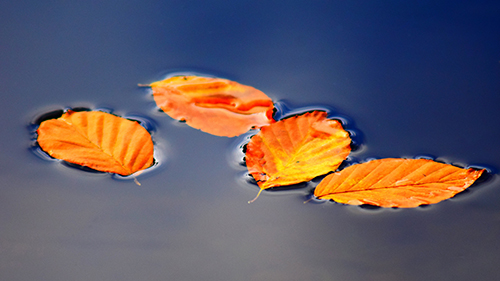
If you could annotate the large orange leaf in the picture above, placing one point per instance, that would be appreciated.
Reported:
(97, 140)
(296, 149)
(216, 106)
(403, 183)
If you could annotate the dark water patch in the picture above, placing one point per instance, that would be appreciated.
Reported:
(346, 163)
(82, 109)
(47, 116)
(149, 124)
(235, 155)
(301, 185)
(315, 181)
(369, 207)
(79, 167)
(425, 207)
(56, 113)
(244, 179)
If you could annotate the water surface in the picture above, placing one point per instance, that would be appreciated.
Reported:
(412, 78)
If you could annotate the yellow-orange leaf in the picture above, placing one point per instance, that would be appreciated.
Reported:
(403, 183)
(97, 140)
(296, 149)
(216, 106)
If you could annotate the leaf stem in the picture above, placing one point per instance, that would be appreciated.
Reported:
(137, 182)
(255, 197)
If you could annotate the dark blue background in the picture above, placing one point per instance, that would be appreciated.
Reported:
(415, 77)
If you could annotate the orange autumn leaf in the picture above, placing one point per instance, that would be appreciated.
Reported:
(403, 183)
(216, 106)
(296, 149)
(97, 140)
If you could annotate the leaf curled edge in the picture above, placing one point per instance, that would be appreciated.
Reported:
(393, 182)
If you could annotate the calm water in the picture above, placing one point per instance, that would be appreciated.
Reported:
(412, 79)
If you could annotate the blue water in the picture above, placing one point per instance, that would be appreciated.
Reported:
(410, 79)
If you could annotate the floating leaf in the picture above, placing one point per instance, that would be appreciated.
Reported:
(97, 140)
(216, 106)
(403, 183)
(296, 149)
